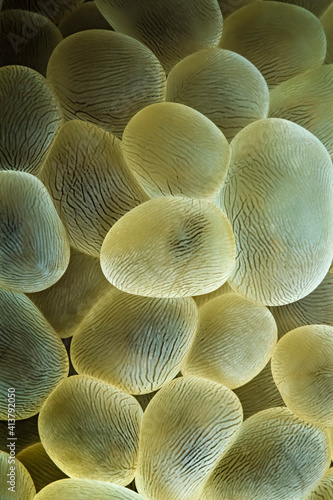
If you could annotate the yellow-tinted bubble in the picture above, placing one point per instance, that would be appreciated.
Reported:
(135, 343)
(223, 86)
(27, 39)
(89, 182)
(234, 341)
(169, 247)
(105, 78)
(85, 489)
(29, 120)
(275, 456)
(278, 196)
(186, 428)
(90, 430)
(34, 360)
(281, 40)
(302, 367)
(34, 248)
(160, 25)
(174, 149)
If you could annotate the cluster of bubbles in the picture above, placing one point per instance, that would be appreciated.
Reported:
(166, 243)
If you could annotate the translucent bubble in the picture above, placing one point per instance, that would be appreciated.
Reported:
(85, 17)
(173, 149)
(161, 27)
(169, 247)
(275, 455)
(34, 360)
(29, 121)
(27, 39)
(52, 9)
(89, 182)
(105, 78)
(135, 343)
(90, 430)
(16, 482)
(66, 303)
(281, 40)
(223, 86)
(85, 489)
(302, 367)
(234, 341)
(278, 198)
(185, 429)
(307, 100)
(34, 248)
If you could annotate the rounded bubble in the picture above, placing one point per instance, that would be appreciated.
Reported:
(105, 78)
(169, 247)
(234, 341)
(135, 343)
(275, 455)
(302, 367)
(278, 196)
(186, 428)
(34, 360)
(34, 248)
(29, 121)
(281, 40)
(85, 418)
(222, 85)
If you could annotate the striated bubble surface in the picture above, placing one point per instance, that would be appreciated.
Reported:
(90, 183)
(234, 341)
(34, 248)
(22, 484)
(29, 121)
(222, 85)
(172, 29)
(90, 430)
(278, 198)
(174, 149)
(307, 100)
(186, 427)
(135, 343)
(86, 489)
(27, 39)
(281, 40)
(33, 359)
(105, 78)
(169, 247)
(302, 367)
(275, 455)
